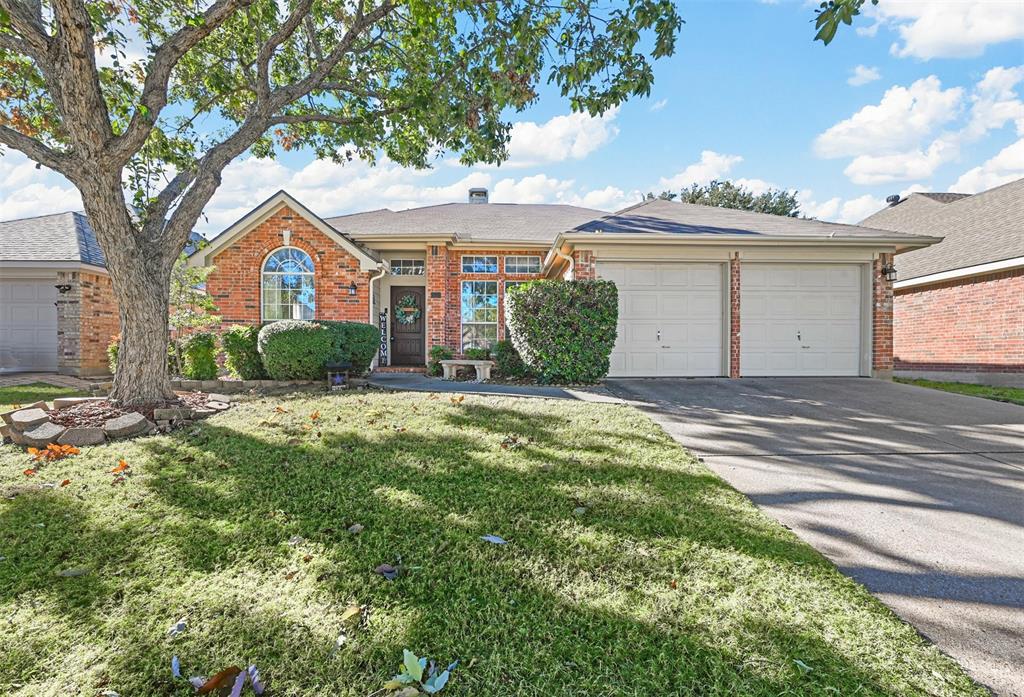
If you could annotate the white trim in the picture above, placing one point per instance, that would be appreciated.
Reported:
(56, 265)
(263, 266)
(497, 322)
(497, 264)
(505, 259)
(268, 208)
(966, 271)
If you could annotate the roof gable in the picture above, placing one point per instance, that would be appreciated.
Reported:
(368, 260)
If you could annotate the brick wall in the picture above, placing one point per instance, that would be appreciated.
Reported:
(586, 265)
(734, 315)
(444, 276)
(234, 285)
(881, 319)
(973, 324)
(87, 318)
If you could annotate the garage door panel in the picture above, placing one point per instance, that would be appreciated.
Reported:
(682, 301)
(819, 303)
(28, 325)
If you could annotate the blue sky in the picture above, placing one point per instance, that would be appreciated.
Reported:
(919, 96)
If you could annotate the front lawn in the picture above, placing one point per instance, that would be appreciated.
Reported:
(33, 392)
(1013, 395)
(630, 569)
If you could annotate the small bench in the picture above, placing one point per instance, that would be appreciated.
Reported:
(483, 368)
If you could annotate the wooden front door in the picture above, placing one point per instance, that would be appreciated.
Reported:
(408, 319)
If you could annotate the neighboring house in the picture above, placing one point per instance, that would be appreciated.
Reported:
(703, 291)
(959, 305)
(57, 307)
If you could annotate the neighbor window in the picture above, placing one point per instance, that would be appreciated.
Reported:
(289, 290)
(479, 314)
(515, 265)
(407, 267)
(472, 264)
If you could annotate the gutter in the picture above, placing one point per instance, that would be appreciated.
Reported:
(383, 270)
(571, 274)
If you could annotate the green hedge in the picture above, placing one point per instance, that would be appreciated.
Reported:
(243, 357)
(296, 349)
(564, 330)
(438, 354)
(357, 343)
(508, 362)
(199, 356)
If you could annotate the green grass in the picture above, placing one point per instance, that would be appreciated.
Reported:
(668, 583)
(1013, 395)
(33, 392)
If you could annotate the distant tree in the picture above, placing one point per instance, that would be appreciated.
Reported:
(725, 194)
(664, 195)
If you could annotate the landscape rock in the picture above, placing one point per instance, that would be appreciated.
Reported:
(27, 419)
(63, 402)
(5, 432)
(82, 435)
(203, 413)
(127, 425)
(215, 397)
(171, 414)
(217, 406)
(6, 416)
(42, 435)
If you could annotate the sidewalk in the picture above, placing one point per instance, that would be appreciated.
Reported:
(417, 382)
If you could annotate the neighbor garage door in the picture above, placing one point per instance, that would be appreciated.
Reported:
(800, 319)
(670, 319)
(28, 325)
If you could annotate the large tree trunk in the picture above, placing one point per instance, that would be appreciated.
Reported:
(140, 270)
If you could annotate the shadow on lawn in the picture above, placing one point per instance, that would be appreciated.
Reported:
(544, 615)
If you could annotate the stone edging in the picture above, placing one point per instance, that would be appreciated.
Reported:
(30, 426)
(237, 386)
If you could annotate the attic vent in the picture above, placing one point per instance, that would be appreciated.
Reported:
(478, 195)
(893, 199)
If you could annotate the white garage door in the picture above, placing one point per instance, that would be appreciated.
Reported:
(800, 319)
(670, 318)
(28, 325)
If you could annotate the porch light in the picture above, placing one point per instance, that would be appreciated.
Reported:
(889, 271)
(352, 288)
(63, 288)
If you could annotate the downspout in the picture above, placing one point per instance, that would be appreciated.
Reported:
(383, 270)
(571, 274)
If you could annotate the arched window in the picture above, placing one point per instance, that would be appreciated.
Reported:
(289, 291)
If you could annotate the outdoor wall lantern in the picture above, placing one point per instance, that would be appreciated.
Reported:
(352, 288)
(889, 271)
(63, 288)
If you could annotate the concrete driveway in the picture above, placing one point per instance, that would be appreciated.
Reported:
(917, 494)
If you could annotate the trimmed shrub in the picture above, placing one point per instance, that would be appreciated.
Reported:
(476, 354)
(564, 330)
(112, 348)
(199, 356)
(243, 357)
(438, 354)
(296, 349)
(508, 361)
(357, 343)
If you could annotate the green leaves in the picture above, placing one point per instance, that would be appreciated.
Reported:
(413, 666)
(831, 13)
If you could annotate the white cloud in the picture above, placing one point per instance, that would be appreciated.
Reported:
(567, 137)
(712, 166)
(659, 105)
(1006, 166)
(947, 29)
(862, 75)
(902, 166)
(901, 119)
(27, 191)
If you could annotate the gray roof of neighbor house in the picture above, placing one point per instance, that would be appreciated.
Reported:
(978, 229)
(672, 218)
(57, 237)
(469, 222)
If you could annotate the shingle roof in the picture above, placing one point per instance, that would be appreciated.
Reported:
(674, 218)
(901, 215)
(943, 196)
(978, 229)
(469, 222)
(57, 237)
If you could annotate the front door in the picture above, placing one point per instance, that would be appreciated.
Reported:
(408, 317)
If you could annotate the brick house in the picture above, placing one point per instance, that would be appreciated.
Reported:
(57, 307)
(703, 291)
(959, 305)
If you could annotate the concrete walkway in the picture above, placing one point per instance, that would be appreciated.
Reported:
(16, 379)
(417, 382)
(917, 494)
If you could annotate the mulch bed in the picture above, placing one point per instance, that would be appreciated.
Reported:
(97, 413)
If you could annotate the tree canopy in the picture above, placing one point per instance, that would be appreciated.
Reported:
(726, 194)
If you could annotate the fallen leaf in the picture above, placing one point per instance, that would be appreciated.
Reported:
(314, 416)
(175, 667)
(308, 558)
(29, 472)
(352, 612)
(65, 482)
(494, 539)
(802, 667)
(177, 628)
(355, 528)
(280, 410)
(290, 575)
(121, 467)
(295, 540)
(579, 510)
(458, 400)
(223, 679)
(673, 584)
(70, 573)
(387, 571)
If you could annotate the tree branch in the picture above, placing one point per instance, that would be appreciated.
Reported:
(155, 88)
(29, 27)
(57, 161)
(287, 28)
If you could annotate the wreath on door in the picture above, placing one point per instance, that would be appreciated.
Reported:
(406, 310)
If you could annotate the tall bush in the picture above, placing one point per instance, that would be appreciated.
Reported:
(243, 357)
(507, 360)
(296, 349)
(357, 343)
(198, 354)
(564, 330)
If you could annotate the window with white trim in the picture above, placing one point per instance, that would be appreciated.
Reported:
(288, 285)
(479, 314)
(479, 264)
(520, 265)
(407, 267)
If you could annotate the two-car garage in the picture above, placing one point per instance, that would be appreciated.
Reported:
(796, 319)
